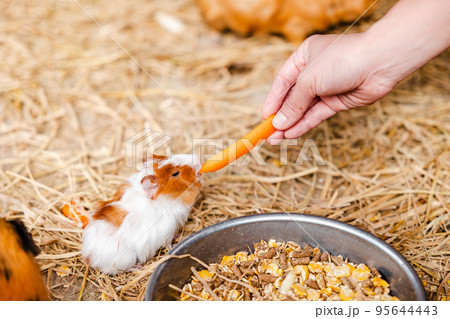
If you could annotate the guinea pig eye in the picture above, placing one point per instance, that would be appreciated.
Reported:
(176, 174)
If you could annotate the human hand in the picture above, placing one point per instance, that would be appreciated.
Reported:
(325, 75)
(332, 73)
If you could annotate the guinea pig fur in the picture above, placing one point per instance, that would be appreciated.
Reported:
(143, 215)
(295, 19)
(20, 277)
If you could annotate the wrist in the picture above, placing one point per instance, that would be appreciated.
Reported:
(411, 34)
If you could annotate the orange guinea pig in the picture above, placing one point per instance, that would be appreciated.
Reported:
(295, 19)
(20, 277)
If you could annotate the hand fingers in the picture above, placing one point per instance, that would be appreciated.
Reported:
(299, 99)
(285, 78)
(276, 138)
(313, 117)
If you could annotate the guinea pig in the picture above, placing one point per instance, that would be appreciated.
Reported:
(20, 277)
(295, 19)
(143, 214)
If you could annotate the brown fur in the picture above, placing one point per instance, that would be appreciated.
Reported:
(20, 277)
(185, 186)
(112, 214)
(116, 197)
(295, 19)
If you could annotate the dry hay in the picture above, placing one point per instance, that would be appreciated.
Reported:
(71, 97)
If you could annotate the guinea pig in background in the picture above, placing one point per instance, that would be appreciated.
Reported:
(20, 277)
(295, 19)
(143, 215)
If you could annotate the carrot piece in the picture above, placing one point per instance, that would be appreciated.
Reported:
(241, 147)
(70, 211)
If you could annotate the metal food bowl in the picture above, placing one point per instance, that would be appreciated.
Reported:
(228, 237)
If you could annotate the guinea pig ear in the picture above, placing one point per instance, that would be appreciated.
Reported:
(150, 186)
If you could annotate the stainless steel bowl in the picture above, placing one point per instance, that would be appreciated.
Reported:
(231, 236)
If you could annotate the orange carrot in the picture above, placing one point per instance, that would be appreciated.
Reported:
(241, 147)
(72, 212)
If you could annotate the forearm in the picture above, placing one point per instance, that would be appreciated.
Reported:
(409, 35)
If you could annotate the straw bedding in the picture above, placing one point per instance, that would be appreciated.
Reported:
(71, 97)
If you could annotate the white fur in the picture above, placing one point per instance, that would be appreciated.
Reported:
(148, 225)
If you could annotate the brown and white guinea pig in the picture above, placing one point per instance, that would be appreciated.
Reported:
(295, 19)
(143, 215)
(20, 277)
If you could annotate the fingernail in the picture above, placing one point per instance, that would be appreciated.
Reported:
(279, 120)
(274, 141)
(277, 141)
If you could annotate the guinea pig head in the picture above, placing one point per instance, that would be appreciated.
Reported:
(177, 177)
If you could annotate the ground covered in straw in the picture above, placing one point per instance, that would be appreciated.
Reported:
(71, 97)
